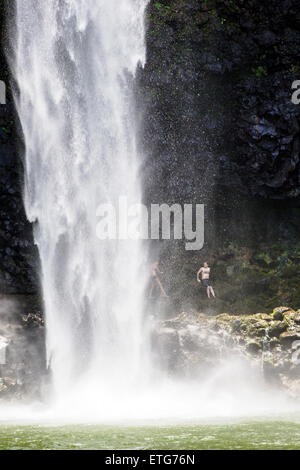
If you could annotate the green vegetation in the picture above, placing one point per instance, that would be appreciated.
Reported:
(260, 71)
(246, 280)
(162, 9)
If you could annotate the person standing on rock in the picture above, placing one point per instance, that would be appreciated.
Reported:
(156, 280)
(205, 273)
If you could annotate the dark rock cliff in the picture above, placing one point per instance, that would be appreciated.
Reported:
(18, 255)
(218, 127)
(218, 92)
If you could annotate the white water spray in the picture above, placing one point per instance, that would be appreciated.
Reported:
(75, 62)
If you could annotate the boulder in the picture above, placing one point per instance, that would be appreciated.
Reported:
(253, 347)
(277, 327)
(288, 337)
(278, 313)
(264, 316)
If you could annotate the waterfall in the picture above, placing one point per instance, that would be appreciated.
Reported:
(75, 62)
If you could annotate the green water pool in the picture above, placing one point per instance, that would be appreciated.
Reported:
(248, 435)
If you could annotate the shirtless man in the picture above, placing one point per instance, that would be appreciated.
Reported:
(205, 272)
(155, 280)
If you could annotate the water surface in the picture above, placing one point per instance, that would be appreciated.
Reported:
(243, 435)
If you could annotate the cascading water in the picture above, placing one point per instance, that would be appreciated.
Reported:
(74, 64)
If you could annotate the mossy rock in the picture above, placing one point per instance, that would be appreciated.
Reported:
(288, 337)
(250, 319)
(261, 324)
(274, 342)
(258, 328)
(261, 327)
(290, 317)
(253, 347)
(237, 325)
(224, 317)
(279, 312)
(277, 327)
(251, 332)
(264, 316)
(243, 327)
(261, 332)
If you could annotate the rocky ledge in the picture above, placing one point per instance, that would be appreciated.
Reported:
(193, 343)
(189, 345)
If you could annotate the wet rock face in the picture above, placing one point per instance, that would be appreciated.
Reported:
(19, 262)
(218, 122)
(185, 346)
(267, 136)
(22, 348)
(19, 258)
(217, 87)
(194, 343)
